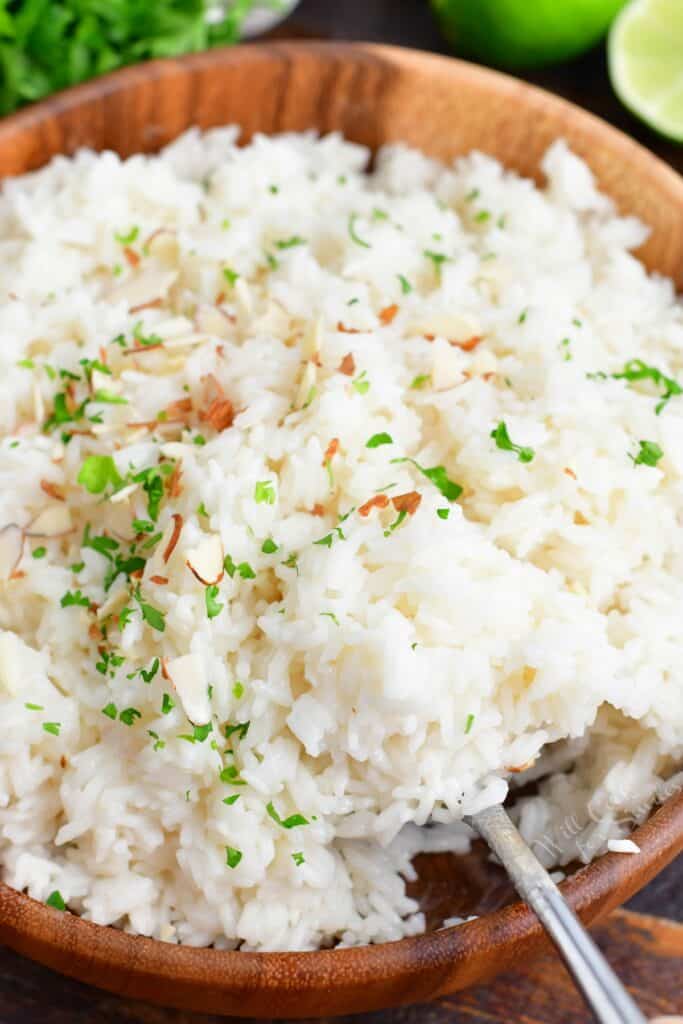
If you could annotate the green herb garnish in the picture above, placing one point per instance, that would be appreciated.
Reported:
(377, 440)
(439, 477)
(291, 822)
(502, 438)
(232, 856)
(353, 234)
(649, 454)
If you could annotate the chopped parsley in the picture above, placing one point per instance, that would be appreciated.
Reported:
(39, 552)
(264, 492)
(213, 606)
(152, 480)
(159, 744)
(469, 723)
(328, 539)
(238, 690)
(330, 615)
(74, 598)
(143, 526)
(128, 237)
(420, 381)
(56, 900)
(240, 730)
(502, 438)
(353, 234)
(482, 217)
(522, 316)
(110, 711)
(269, 547)
(443, 513)
(149, 674)
(167, 704)
(199, 440)
(472, 194)
(290, 243)
(292, 562)
(439, 477)
(291, 822)
(232, 856)
(649, 454)
(201, 510)
(129, 715)
(34, 707)
(360, 384)
(243, 569)
(565, 347)
(396, 523)
(52, 727)
(97, 472)
(377, 440)
(406, 286)
(151, 615)
(230, 276)
(230, 800)
(298, 858)
(438, 259)
(636, 369)
(26, 364)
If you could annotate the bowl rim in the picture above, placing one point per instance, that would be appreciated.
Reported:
(416, 967)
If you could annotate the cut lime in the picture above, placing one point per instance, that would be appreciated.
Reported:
(646, 63)
(525, 33)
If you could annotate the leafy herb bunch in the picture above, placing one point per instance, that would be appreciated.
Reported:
(46, 45)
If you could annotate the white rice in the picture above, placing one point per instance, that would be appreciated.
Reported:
(390, 678)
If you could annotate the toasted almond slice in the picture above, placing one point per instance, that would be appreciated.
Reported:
(306, 388)
(113, 604)
(311, 342)
(213, 321)
(124, 494)
(483, 362)
(455, 327)
(409, 502)
(53, 521)
(447, 367)
(206, 560)
(348, 365)
(38, 403)
(187, 676)
(52, 489)
(11, 547)
(377, 501)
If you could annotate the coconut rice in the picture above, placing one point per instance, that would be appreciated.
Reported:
(331, 501)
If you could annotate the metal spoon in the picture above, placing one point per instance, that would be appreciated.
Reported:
(601, 988)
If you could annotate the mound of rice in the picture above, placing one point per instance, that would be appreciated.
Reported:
(330, 500)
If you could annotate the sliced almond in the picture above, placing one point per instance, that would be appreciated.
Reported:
(213, 321)
(52, 489)
(38, 403)
(483, 363)
(306, 389)
(124, 494)
(206, 560)
(455, 327)
(113, 604)
(311, 342)
(187, 676)
(53, 521)
(447, 367)
(11, 547)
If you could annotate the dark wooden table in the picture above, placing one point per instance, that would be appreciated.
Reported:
(645, 942)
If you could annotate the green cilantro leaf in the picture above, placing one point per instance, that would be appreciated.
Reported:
(439, 477)
(264, 492)
(128, 715)
(213, 606)
(74, 599)
(97, 472)
(291, 822)
(649, 454)
(377, 440)
(127, 237)
(232, 856)
(56, 901)
(502, 438)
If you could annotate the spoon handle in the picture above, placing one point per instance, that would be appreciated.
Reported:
(601, 988)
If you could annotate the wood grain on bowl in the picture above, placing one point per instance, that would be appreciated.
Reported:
(373, 95)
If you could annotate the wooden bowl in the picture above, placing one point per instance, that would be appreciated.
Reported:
(373, 95)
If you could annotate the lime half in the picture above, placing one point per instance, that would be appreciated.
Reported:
(646, 63)
(525, 33)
